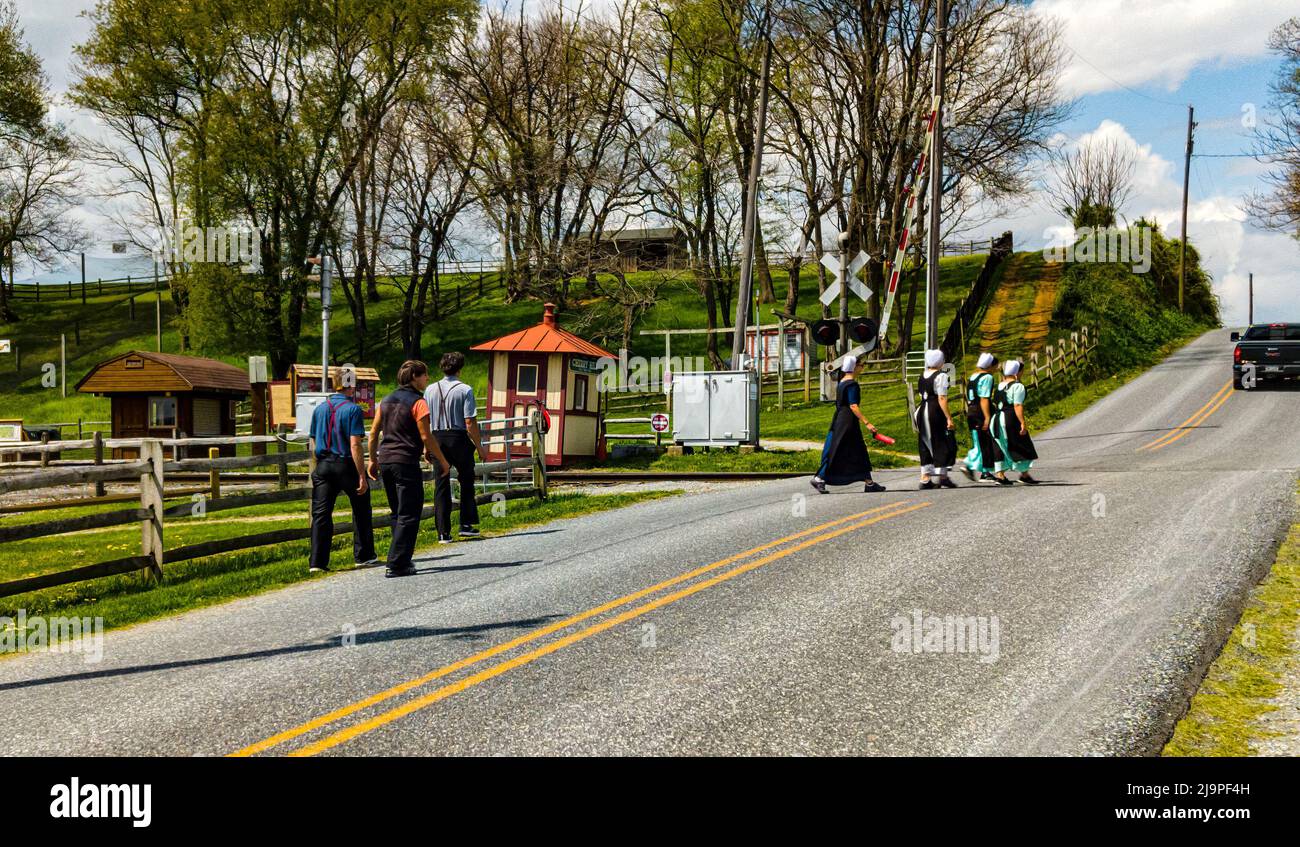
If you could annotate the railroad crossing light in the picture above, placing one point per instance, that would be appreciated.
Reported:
(863, 331)
(826, 332)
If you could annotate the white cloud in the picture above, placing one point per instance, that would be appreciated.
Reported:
(1217, 226)
(1118, 43)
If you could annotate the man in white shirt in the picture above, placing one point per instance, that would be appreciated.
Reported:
(453, 419)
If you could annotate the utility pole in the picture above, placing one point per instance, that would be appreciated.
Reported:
(1187, 173)
(1250, 313)
(844, 293)
(157, 306)
(936, 182)
(751, 213)
(326, 310)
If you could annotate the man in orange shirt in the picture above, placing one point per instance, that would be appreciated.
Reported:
(403, 418)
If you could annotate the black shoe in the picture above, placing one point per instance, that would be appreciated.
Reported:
(1027, 479)
(927, 485)
(409, 570)
(985, 476)
(319, 569)
(1002, 480)
(819, 485)
(945, 482)
(873, 488)
(445, 539)
(469, 532)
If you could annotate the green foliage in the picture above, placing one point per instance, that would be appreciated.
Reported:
(1137, 313)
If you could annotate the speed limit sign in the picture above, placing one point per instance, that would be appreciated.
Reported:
(659, 422)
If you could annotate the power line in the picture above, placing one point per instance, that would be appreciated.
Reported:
(1128, 88)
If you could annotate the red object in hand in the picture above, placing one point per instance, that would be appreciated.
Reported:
(883, 439)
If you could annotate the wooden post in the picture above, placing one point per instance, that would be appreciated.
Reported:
(214, 475)
(283, 467)
(151, 499)
(807, 365)
(45, 454)
(539, 455)
(99, 460)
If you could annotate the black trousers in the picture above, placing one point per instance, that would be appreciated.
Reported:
(404, 485)
(459, 450)
(331, 477)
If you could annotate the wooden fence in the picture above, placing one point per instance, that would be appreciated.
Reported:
(150, 472)
(1060, 358)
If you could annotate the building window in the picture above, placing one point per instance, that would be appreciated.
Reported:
(526, 379)
(579, 393)
(162, 411)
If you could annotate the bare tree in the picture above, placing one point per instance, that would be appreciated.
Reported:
(1277, 142)
(1093, 181)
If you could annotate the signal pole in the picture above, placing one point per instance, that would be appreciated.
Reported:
(1250, 313)
(745, 293)
(1187, 172)
(936, 182)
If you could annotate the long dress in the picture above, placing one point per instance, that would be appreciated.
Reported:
(938, 444)
(984, 450)
(844, 455)
(1018, 453)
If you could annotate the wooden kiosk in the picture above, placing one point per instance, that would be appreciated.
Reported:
(546, 366)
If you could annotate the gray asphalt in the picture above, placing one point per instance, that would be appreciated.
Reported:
(1113, 585)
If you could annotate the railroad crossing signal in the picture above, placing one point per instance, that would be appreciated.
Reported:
(832, 263)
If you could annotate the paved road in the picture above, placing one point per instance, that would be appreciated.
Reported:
(762, 619)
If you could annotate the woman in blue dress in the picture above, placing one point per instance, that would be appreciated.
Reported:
(1010, 430)
(844, 455)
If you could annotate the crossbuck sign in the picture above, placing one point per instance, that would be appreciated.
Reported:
(844, 275)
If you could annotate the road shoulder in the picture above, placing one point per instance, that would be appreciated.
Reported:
(1249, 702)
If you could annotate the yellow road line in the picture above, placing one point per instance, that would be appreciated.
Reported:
(496, 670)
(344, 711)
(1195, 420)
(1213, 409)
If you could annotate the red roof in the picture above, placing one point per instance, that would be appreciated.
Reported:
(545, 337)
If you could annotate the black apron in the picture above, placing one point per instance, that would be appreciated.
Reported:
(989, 451)
(844, 457)
(938, 444)
(1007, 425)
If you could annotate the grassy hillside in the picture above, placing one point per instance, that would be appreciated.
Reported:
(106, 330)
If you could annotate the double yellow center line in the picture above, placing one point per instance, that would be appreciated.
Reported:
(829, 530)
(1198, 417)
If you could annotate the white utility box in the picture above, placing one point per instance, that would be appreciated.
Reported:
(715, 408)
(305, 402)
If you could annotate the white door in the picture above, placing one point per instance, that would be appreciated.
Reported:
(729, 406)
(690, 407)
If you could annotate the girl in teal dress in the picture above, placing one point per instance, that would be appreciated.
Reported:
(1009, 428)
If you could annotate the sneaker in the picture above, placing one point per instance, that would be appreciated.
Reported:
(970, 474)
(445, 539)
(369, 563)
(819, 485)
(945, 482)
(1027, 479)
(1002, 480)
(873, 488)
(319, 569)
(469, 532)
(927, 485)
(985, 476)
(409, 570)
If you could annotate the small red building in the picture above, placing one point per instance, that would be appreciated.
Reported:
(547, 366)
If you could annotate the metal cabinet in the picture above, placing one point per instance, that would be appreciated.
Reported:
(715, 408)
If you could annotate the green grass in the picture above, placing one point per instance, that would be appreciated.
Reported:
(130, 599)
(1242, 685)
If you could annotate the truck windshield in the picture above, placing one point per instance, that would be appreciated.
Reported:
(1285, 332)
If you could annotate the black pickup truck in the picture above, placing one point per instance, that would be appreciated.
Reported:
(1265, 352)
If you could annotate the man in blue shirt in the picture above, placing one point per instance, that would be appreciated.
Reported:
(337, 428)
